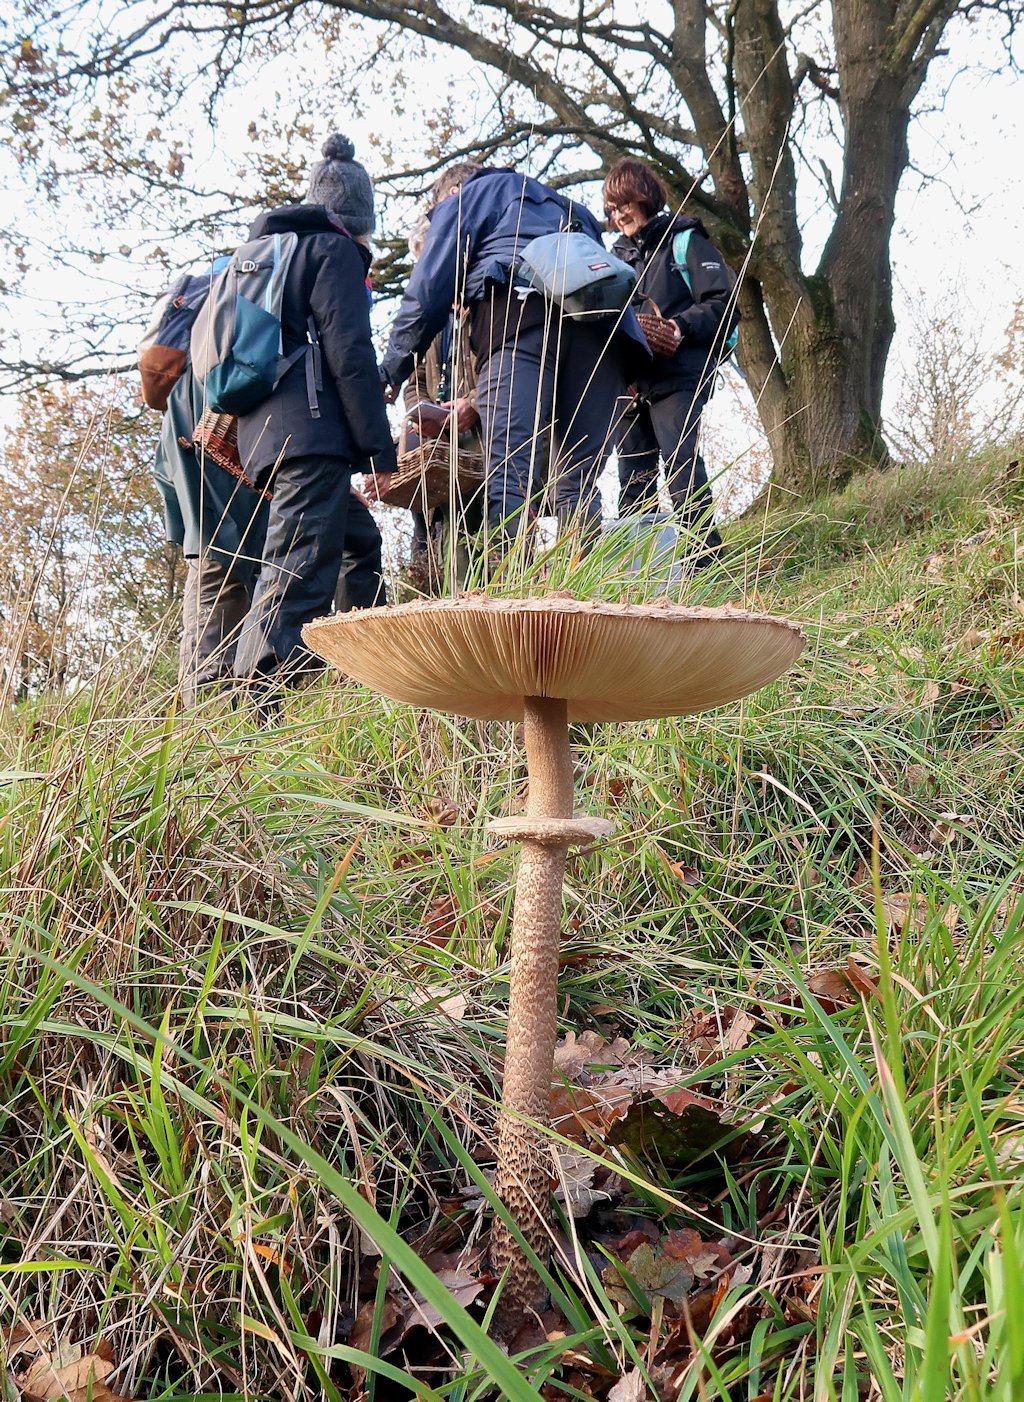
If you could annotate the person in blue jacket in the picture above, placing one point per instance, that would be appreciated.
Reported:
(664, 416)
(304, 452)
(535, 371)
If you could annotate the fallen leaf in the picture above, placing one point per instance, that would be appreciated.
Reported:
(929, 693)
(575, 1177)
(714, 1035)
(273, 1255)
(538, 1330)
(675, 1127)
(832, 988)
(630, 1388)
(410, 857)
(82, 1380)
(27, 1338)
(973, 638)
(860, 980)
(574, 1055)
(585, 1113)
(391, 1331)
(704, 1258)
(737, 1034)
(442, 917)
(438, 999)
(443, 812)
(689, 876)
(1010, 1150)
(906, 913)
(617, 791)
(668, 1268)
(651, 1272)
(463, 1286)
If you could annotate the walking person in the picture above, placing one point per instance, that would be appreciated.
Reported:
(323, 420)
(535, 370)
(685, 279)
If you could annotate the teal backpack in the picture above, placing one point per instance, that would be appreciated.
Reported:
(236, 337)
(680, 246)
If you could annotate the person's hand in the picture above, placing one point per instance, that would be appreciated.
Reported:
(678, 332)
(359, 496)
(464, 410)
(373, 484)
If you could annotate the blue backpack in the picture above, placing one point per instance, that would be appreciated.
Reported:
(163, 351)
(578, 273)
(236, 336)
(680, 247)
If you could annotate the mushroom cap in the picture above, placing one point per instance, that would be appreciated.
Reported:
(478, 656)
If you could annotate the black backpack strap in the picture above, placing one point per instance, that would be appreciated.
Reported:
(314, 369)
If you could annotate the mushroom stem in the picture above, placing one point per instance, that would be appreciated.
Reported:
(523, 1180)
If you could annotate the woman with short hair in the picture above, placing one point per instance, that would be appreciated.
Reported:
(684, 279)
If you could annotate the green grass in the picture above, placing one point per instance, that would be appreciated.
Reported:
(252, 986)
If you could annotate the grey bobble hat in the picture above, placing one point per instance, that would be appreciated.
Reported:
(341, 183)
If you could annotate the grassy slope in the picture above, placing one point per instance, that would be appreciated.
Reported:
(228, 957)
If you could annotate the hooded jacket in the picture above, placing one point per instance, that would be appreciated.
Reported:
(704, 316)
(473, 245)
(326, 280)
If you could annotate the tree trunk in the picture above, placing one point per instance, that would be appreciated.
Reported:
(816, 370)
(819, 406)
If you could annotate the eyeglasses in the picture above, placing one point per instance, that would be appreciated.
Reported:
(611, 210)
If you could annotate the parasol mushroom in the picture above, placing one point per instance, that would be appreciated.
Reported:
(548, 661)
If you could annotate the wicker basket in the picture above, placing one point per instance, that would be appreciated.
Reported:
(216, 439)
(216, 435)
(423, 480)
(662, 335)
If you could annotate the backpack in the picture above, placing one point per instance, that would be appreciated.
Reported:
(680, 247)
(163, 351)
(578, 273)
(236, 336)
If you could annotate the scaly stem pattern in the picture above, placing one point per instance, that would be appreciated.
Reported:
(523, 1181)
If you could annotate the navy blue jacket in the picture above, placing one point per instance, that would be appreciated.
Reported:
(473, 244)
(326, 280)
(704, 316)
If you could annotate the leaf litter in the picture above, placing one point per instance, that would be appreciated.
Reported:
(612, 1104)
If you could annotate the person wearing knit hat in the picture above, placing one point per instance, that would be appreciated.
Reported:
(324, 420)
(341, 185)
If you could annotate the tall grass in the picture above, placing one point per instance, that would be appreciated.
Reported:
(253, 983)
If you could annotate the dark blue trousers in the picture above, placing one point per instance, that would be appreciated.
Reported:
(562, 376)
(301, 559)
(667, 427)
(361, 582)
